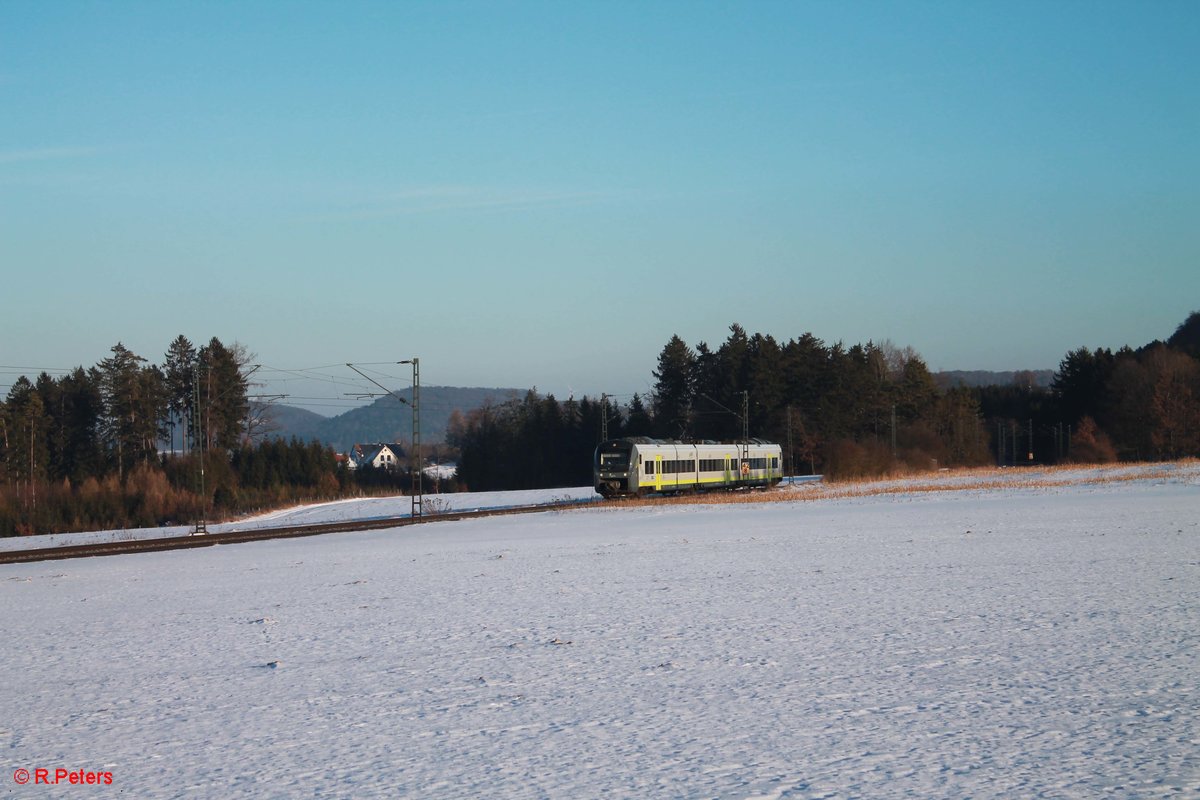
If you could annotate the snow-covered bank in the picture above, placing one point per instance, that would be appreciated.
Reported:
(1008, 643)
(335, 511)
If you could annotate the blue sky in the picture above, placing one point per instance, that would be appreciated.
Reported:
(541, 194)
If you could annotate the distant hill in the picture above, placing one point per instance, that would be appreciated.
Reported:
(290, 421)
(957, 377)
(386, 419)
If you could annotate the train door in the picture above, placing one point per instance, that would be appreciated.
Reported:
(658, 473)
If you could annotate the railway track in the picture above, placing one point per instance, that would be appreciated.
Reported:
(262, 534)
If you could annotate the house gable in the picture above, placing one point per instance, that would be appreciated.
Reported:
(380, 456)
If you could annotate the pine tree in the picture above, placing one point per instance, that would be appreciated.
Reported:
(708, 382)
(26, 450)
(224, 404)
(733, 367)
(806, 373)
(179, 371)
(917, 394)
(638, 421)
(134, 405)
(1187, 336)
(1079, 383)
(766, 386)
(53, 430)
(673, 388)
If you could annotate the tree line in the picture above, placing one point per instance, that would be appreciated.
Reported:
(866, 409)
(1127, 404)
(129, 443)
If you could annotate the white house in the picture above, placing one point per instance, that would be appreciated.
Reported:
(380, 456)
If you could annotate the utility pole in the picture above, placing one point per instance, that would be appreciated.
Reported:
(745, 428)
(605, 416)
(746, 417)
(32, 461)
(893, 431)
(198, 446)
(418, 497)
(418, 490)
(791, 455)
(200, 421)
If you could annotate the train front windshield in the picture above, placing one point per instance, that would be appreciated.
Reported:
(613, 457)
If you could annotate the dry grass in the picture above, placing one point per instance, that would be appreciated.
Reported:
(959, 480)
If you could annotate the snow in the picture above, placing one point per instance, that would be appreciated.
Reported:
(994, 641)
(387, 507)
(334, 511)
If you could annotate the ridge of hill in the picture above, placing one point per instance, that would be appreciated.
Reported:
(1041, 378)
(386, 419)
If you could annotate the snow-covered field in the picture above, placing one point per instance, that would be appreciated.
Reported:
(992, 642)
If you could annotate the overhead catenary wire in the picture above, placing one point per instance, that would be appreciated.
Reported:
(275, 380)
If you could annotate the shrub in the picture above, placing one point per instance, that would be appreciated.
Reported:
(1090, 445)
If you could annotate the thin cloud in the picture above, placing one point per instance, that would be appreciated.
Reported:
(435, 199)
(44, 154)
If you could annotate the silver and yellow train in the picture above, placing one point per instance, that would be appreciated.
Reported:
(638, 466)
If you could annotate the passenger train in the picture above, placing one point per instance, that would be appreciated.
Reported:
(638, 466)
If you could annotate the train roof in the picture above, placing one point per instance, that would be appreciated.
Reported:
(648, 440)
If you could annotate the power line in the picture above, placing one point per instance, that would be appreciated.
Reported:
(31, 373)
(418, 497)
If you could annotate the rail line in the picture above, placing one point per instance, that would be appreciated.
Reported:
(192, 541)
